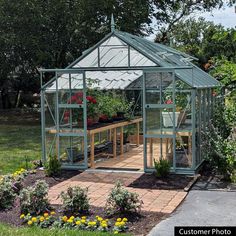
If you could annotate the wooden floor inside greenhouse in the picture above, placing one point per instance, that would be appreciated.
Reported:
(133, 160)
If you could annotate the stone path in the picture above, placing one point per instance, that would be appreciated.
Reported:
(99, 185)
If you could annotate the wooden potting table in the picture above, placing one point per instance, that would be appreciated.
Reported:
(113, 136)
(112, 128)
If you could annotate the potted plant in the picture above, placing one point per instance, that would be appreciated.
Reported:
(168, 116)
(106, 107)
(77, 113)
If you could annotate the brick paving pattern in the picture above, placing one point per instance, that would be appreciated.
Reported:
(99, 185)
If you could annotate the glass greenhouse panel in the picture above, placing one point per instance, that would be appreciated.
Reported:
(71, 150)
(183, 150)
(138, 59)
(50, 147)
(159, 148)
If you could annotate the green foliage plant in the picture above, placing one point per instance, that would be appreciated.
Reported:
(34, 200)
(52, 166)
(162, 167)
(7, 193)
(75, 199)
(120, 200)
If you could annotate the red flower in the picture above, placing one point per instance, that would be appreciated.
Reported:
(94, 101)
(169, 101)
(79, 94)
(79, 101)
(89, 98)
(73, 99)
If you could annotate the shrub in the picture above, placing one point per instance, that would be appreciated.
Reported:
(121, 200)
(162, 167)
(52, 166)
(7, 193)
(75, 199)
(221, 153)
(34, 199)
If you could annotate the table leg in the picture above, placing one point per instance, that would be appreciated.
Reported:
(151, 153)
(137, 133)
(92, 164)
(110, 135)
(122, 140)
(114, 142)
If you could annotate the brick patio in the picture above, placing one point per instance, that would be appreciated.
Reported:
(100, 183)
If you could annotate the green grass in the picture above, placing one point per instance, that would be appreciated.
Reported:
(31, 231)
(16, 143)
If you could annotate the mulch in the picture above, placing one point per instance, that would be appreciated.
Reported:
(139, 223)
(170, 182)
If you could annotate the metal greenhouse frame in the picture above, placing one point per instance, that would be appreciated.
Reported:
(166, 79)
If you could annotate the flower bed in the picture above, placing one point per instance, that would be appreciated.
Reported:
(51, 220)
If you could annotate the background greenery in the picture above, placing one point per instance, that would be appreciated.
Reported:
(17, 143)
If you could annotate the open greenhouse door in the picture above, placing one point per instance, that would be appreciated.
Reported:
(66, 135)
(159, 117)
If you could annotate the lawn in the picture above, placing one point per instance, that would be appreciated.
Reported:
(31, 231)
(18, 143)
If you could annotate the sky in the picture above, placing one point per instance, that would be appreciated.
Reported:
(224, 16)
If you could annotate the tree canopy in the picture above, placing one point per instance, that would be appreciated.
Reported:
(53, 33)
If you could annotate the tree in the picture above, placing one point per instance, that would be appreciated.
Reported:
(54, 33)
(204, 40)
(168, 13)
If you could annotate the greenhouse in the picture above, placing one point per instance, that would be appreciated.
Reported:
(124, 104)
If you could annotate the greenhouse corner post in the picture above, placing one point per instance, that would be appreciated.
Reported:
(193, 111)
(144, 124)
(174, 128)
(57, 118)
(85, 120)
(43, 158)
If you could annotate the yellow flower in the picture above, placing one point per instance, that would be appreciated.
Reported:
(100, 219)
(41, 219)
(122, 223)
(70, 221)
(34, 219)
(30, 222)
(45, 214)
(117, 224)
(104, 225)
(125, 220)
(64, 218)
(83, 221)
(52, 213)
(22, 216)
(92, 223)
(77, 222)
(22, 169)
(116, 232)
(83, 217)
(104, 222)
(47, 218)
(72, 218)
(119, 220)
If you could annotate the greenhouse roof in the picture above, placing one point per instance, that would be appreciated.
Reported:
(119, 58)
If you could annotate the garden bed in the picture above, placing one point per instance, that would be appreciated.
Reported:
(139, 224)
(170, 182)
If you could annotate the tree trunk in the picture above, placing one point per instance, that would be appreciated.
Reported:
(6, 104)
